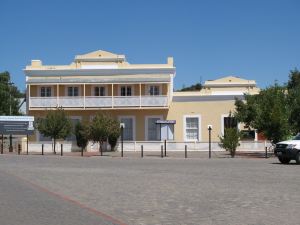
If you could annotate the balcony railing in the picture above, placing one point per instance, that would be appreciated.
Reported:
(99, 102)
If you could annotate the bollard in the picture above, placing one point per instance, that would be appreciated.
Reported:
(61, 149)
(42, 149)
(266, 152)
(19, 149)
(81, 151)
(165, 143)
(162, 151)
(142, 151)
(2, 145)
(185, 151)
(27, 145)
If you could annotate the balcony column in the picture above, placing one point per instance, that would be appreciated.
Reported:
(84, 96)
(112, 95)
(57, 95)
(140, 95)
(29, 96)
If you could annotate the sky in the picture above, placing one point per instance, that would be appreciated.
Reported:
(252, 39)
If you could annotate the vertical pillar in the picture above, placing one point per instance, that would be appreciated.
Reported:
(57, 95)
(112, 95)
(140, 95)
(29, 100)
(84, 96)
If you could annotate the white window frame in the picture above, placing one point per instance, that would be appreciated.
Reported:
(66, 90)
(147, 89)
(100, 85)
(126, 85)
(199, 127)
(133, 125)
(40, 90)
(146, 123)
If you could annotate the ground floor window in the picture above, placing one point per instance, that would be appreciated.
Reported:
(192, 128)
(153, 129)
(72, 136)
(129, 128)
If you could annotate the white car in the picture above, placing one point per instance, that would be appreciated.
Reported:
(288, 150)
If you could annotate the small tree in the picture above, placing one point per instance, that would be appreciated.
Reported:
(55, 125)
(82, 135)
(114, 133)
(230, 140)
(102, 128)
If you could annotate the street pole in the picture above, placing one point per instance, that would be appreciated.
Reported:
(209, 140)
(10, 135)
(122, 126)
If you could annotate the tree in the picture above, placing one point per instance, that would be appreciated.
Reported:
(103, 127)
(195, 87)
(293, 89)
(114, 133)
(267, 112)
(82, 135)
(9, 95)
(55, 125)
(230, 140)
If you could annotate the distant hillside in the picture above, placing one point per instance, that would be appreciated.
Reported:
(194, 87)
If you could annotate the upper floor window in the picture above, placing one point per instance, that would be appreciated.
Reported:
(45, 91)
(154, 90)
(126, 91)
(73, 91)
(99, 91)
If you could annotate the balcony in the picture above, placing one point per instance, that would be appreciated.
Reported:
(99, 102)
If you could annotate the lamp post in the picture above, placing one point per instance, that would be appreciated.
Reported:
(122, 126)
(209, 127)
(10, 135)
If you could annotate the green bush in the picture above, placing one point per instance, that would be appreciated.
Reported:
(230, 140)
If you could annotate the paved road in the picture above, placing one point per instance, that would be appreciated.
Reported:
(148, 191)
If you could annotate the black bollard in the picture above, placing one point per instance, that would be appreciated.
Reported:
(81, 151)
(61, 149)
(142, 151)
(2, 145)
(266, 152)
(162, 151)
(27, 145)
(165, 143)
(42, 149)
(19, 149)
(185, 151)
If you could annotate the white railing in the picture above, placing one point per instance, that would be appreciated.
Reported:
(71, 102)
(41, 102)
(126, 101)
(98, 101)
(154, 101)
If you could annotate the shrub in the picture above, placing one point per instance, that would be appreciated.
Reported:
(230, 140)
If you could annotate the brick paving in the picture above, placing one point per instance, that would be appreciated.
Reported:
(172, 190)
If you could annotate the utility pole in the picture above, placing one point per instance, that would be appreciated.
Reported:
(10, 112)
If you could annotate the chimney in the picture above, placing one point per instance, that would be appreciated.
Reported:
(170, 61)
(36, 63)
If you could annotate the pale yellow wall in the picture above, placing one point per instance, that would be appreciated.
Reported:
(210, 112)
(139, 114)
(33, 91)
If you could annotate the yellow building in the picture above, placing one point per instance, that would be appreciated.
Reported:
(139, 95)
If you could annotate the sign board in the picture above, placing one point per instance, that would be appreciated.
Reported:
(166, 122)
(16, 125)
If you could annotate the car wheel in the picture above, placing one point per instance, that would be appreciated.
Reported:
(298, 158)
(284, 160)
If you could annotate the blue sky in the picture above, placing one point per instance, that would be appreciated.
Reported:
(254, 39)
